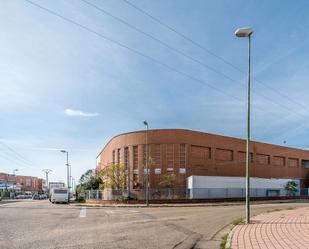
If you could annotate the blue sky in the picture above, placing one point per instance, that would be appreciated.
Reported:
(63, 87)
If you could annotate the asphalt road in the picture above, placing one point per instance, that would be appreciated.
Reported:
(42, 225)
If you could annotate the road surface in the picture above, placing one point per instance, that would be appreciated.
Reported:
(42, 225)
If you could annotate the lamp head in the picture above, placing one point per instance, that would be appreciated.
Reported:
(244, 32)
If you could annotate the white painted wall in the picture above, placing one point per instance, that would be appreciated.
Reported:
(231, 187)
(235, 182)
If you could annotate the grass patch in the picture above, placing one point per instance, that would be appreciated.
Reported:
(223, 242)
(280, 209)
(224, 238)
(237, 221)
(274, 210)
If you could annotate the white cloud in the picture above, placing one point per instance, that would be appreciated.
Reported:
(78, 113)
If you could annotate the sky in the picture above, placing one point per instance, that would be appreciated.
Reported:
(75, 73)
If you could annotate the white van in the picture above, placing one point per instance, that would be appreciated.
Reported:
(60, 195)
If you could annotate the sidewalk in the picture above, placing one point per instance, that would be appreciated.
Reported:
(280, 229)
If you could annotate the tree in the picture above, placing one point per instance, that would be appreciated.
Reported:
(87, 181)
(167, 181)
(291, 188)
(86, 177)
(114, 176)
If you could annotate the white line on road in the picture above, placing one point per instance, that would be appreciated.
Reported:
(83, 212)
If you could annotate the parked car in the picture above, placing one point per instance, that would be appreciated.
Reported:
(43, 196)
(36, 197)
(20, 197)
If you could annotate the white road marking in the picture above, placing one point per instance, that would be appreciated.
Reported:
(83, 212)
(109, 211)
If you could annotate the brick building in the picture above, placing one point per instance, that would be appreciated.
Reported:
(185, 153)
(21, 183)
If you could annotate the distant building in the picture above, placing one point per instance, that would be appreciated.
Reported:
(186, 153)
(21, 183)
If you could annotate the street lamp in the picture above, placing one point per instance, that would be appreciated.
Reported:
(147, 170)
(47, 171)
(247, 32)
(14, 170)
(68, 171)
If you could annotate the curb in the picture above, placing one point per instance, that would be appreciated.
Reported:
(229, 238)
(179, 205)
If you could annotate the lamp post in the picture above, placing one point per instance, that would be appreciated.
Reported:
(68, 171)
(147, 170)
(247, 32)
(47, 171)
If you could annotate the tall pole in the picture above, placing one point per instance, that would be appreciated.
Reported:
(147, 166)
(47, 171)
(248, 136)
(68, 172)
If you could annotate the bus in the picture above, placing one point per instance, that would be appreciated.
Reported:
(59, 195)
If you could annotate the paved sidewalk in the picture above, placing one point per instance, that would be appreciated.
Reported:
(280, 229)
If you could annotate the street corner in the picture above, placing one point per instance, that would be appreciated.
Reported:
(278, 229)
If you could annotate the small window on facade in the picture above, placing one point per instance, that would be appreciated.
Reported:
(118, 156)
(305, 164)
(113, 156)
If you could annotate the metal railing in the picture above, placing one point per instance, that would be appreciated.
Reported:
(195, 193)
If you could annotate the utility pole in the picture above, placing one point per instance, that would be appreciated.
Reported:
(147, 166)
(68, 172)
(47, 171)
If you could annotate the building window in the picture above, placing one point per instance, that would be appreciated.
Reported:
(113, 156)
(144, 156)
(224, 155)
(136, 184)
(305, 164)
(157, 156)
(126, 157)
(118, 155)
(279, 161)
(293, 162)
(170, 155)
(262, 159)
(135, 157)
(182, 156)
(28, 182)
(242, 155)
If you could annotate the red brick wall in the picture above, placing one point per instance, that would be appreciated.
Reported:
(205, 154)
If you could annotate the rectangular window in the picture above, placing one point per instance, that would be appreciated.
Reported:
(170, 155)
(262, 159)
(135, 181)
(118, 155)
(182, 156)
(293, 162)
(224, 155)
(144, 155)
(279, 161)
(126, 157)
(157, 156)
(113, 158)
(305, 164)
(242, 156)
(135, 157)
(28, 182)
